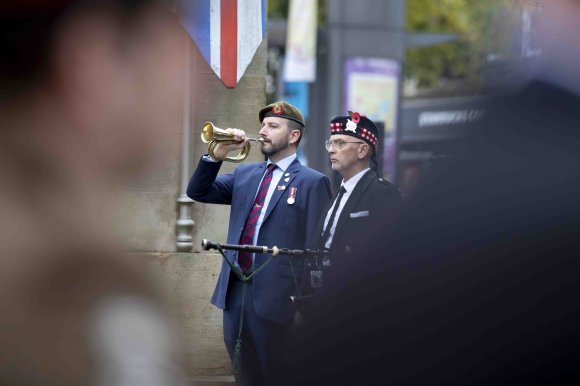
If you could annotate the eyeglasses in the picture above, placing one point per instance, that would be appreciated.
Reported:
(338, 144)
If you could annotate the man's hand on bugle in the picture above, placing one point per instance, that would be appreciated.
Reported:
(240, 140)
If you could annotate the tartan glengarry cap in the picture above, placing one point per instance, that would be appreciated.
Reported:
(357, 126)
(281, 110)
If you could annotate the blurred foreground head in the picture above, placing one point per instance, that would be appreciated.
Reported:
(93, 81)
(87, 89)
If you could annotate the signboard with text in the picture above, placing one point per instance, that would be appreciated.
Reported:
(372, 89)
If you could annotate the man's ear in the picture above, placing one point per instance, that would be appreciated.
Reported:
(363, 151)
(294, 136)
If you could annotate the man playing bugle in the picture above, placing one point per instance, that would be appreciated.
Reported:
(277, 202)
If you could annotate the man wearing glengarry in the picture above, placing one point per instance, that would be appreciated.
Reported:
(363, 199)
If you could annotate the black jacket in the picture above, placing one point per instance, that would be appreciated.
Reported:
(372, 202)
(476, 282)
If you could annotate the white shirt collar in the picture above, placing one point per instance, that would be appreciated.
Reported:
(284, 162)
(351, 183)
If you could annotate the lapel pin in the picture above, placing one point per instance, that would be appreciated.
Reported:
(292, 196)
(281, 187)
(286, 179)
(286, 175)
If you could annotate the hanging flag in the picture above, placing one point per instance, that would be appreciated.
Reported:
(227, 33)
(300, 60)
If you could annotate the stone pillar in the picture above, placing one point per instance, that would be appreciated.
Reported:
(157, 213)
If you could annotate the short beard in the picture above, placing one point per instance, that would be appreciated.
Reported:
(274, 149)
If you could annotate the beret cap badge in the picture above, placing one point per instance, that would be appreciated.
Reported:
(277, 109)
(281, 110)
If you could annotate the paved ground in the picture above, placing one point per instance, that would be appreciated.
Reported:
(213, 381)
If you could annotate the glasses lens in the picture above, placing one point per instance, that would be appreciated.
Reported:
(337, 144)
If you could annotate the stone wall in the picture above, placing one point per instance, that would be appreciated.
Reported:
(187, 280)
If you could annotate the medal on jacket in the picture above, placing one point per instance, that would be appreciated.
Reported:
(292, 196)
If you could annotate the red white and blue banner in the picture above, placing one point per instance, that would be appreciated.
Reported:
(227, 33)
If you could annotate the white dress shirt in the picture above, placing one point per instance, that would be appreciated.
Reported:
(277, 174)
(348, 187)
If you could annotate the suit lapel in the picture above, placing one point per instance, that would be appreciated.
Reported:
(353, 199)
(292, 170)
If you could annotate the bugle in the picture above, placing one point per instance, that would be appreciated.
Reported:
(213, 135)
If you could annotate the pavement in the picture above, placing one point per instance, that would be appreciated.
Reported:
(217, 380)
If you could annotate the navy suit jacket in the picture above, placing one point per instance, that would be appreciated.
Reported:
(285, 226)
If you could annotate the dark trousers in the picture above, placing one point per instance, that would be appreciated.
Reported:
(263, 341)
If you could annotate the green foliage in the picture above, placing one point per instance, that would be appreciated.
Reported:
(479, 32)
(278, 9)
(483, 27)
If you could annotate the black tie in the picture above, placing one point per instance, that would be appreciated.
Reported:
(326, 232)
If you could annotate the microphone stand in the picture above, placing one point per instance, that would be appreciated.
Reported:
(273, 251)
(206, 245)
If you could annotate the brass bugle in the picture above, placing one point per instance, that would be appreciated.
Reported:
(213, 135)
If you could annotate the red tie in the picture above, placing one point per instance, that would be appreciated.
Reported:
(245, 258)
